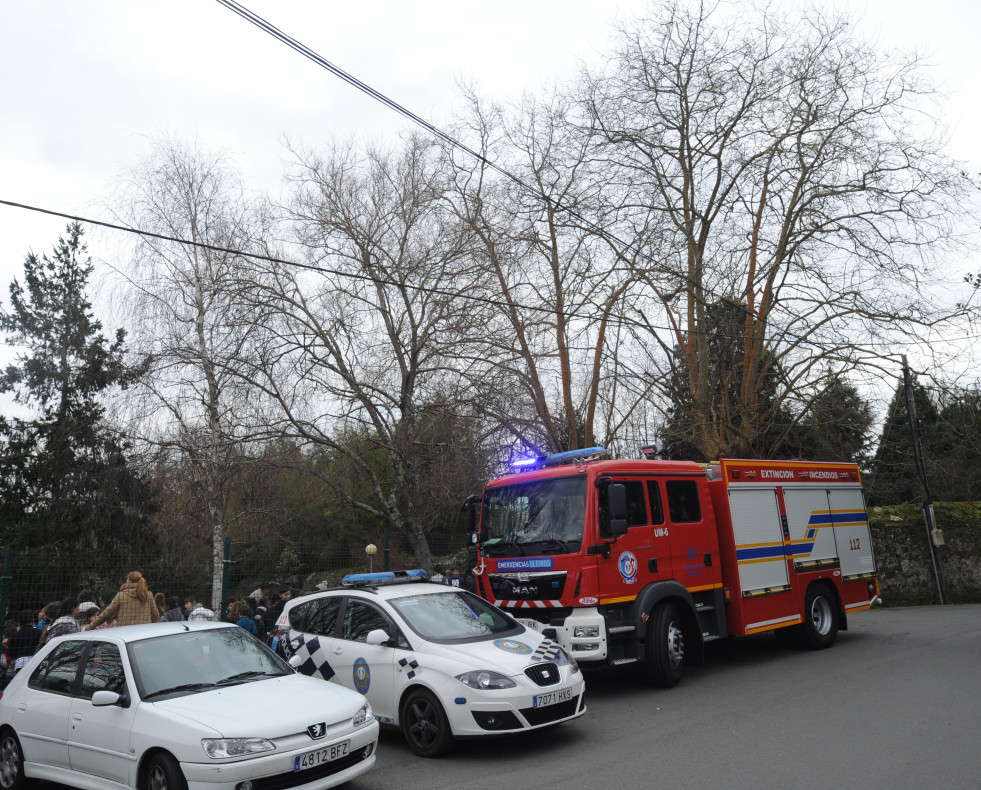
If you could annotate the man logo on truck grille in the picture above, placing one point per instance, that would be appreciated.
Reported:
(628, 567)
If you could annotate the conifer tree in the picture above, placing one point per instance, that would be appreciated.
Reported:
(64, 476)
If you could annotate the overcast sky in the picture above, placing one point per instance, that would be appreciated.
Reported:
(88, 84)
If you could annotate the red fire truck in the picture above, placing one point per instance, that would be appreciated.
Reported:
(644, 561)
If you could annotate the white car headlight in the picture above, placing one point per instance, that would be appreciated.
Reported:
(363, 716)
(485, 679)
(220, 748)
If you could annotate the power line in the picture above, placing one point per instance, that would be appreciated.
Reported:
(323, 269)
(620, 245)
(615, 320)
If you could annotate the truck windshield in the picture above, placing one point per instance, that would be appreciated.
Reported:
(549, 513)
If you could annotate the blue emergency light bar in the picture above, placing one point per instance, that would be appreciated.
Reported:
(383, 577)
(538, 461)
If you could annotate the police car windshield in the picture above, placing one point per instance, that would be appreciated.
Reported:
(550, 512)
(452, 616)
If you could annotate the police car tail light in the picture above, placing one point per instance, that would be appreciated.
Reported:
(363, 716)
(485, 679)
(220, 748)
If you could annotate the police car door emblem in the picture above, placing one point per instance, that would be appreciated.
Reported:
(317, 730)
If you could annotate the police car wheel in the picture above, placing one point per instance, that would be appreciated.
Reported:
(820, 627)
(665, 648)
(424, 724)
(11, 762)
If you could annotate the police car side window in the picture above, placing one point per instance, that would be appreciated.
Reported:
(298, 616)
(58, 671)
(360, 619)
(321, 616)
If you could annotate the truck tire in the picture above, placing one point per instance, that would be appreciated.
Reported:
(665, 648)
(820, 628)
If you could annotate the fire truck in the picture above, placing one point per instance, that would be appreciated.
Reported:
(645, 561)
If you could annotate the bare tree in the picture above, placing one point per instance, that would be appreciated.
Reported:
(555, 283)
(791, 171)
(188, 319)
(363, 338)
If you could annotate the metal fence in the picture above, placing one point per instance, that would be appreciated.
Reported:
(34, 578)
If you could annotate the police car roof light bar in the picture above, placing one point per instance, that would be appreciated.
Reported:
(384, 577)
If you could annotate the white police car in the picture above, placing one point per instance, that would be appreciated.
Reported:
(434, 660)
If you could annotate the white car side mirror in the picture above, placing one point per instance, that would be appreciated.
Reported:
(378, 637)
(103, 698)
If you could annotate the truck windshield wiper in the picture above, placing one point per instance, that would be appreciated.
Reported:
(499, 549)
(563, 547)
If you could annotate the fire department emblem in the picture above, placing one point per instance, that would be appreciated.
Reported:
(628, 567)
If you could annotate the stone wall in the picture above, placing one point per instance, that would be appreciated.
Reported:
(902, 554)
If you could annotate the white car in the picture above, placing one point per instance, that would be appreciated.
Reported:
(434, 660)
(178, 706)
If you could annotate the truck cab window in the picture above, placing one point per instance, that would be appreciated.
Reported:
(683, 501)
(636, 504)
(654, 494)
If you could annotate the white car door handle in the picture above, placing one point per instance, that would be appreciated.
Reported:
(338, 651)
(77, 717)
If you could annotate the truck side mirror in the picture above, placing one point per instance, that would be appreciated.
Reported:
(616, 497)
(472, 507)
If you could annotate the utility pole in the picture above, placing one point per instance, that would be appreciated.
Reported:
(934, 537)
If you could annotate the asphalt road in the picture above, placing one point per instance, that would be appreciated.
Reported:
(896, 703)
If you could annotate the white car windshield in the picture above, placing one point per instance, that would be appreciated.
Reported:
(194, 661)
(451, 616)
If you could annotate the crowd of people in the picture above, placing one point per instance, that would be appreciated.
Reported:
(134, 604)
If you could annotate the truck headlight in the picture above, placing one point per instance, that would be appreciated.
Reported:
(221, 748)
(485, 679)
(586, 631)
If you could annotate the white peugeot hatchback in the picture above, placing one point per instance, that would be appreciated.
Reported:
(434, 660)
(178, 706)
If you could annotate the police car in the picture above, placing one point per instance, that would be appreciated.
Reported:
(438, 662)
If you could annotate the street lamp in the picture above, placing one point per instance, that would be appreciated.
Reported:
(371, 550)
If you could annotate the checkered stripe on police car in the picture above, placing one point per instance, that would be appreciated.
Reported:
(313, 655)
(410, 665)
(546, 651)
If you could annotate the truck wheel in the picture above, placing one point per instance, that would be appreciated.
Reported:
(424, 724)
(665, 651)
(820, 627)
